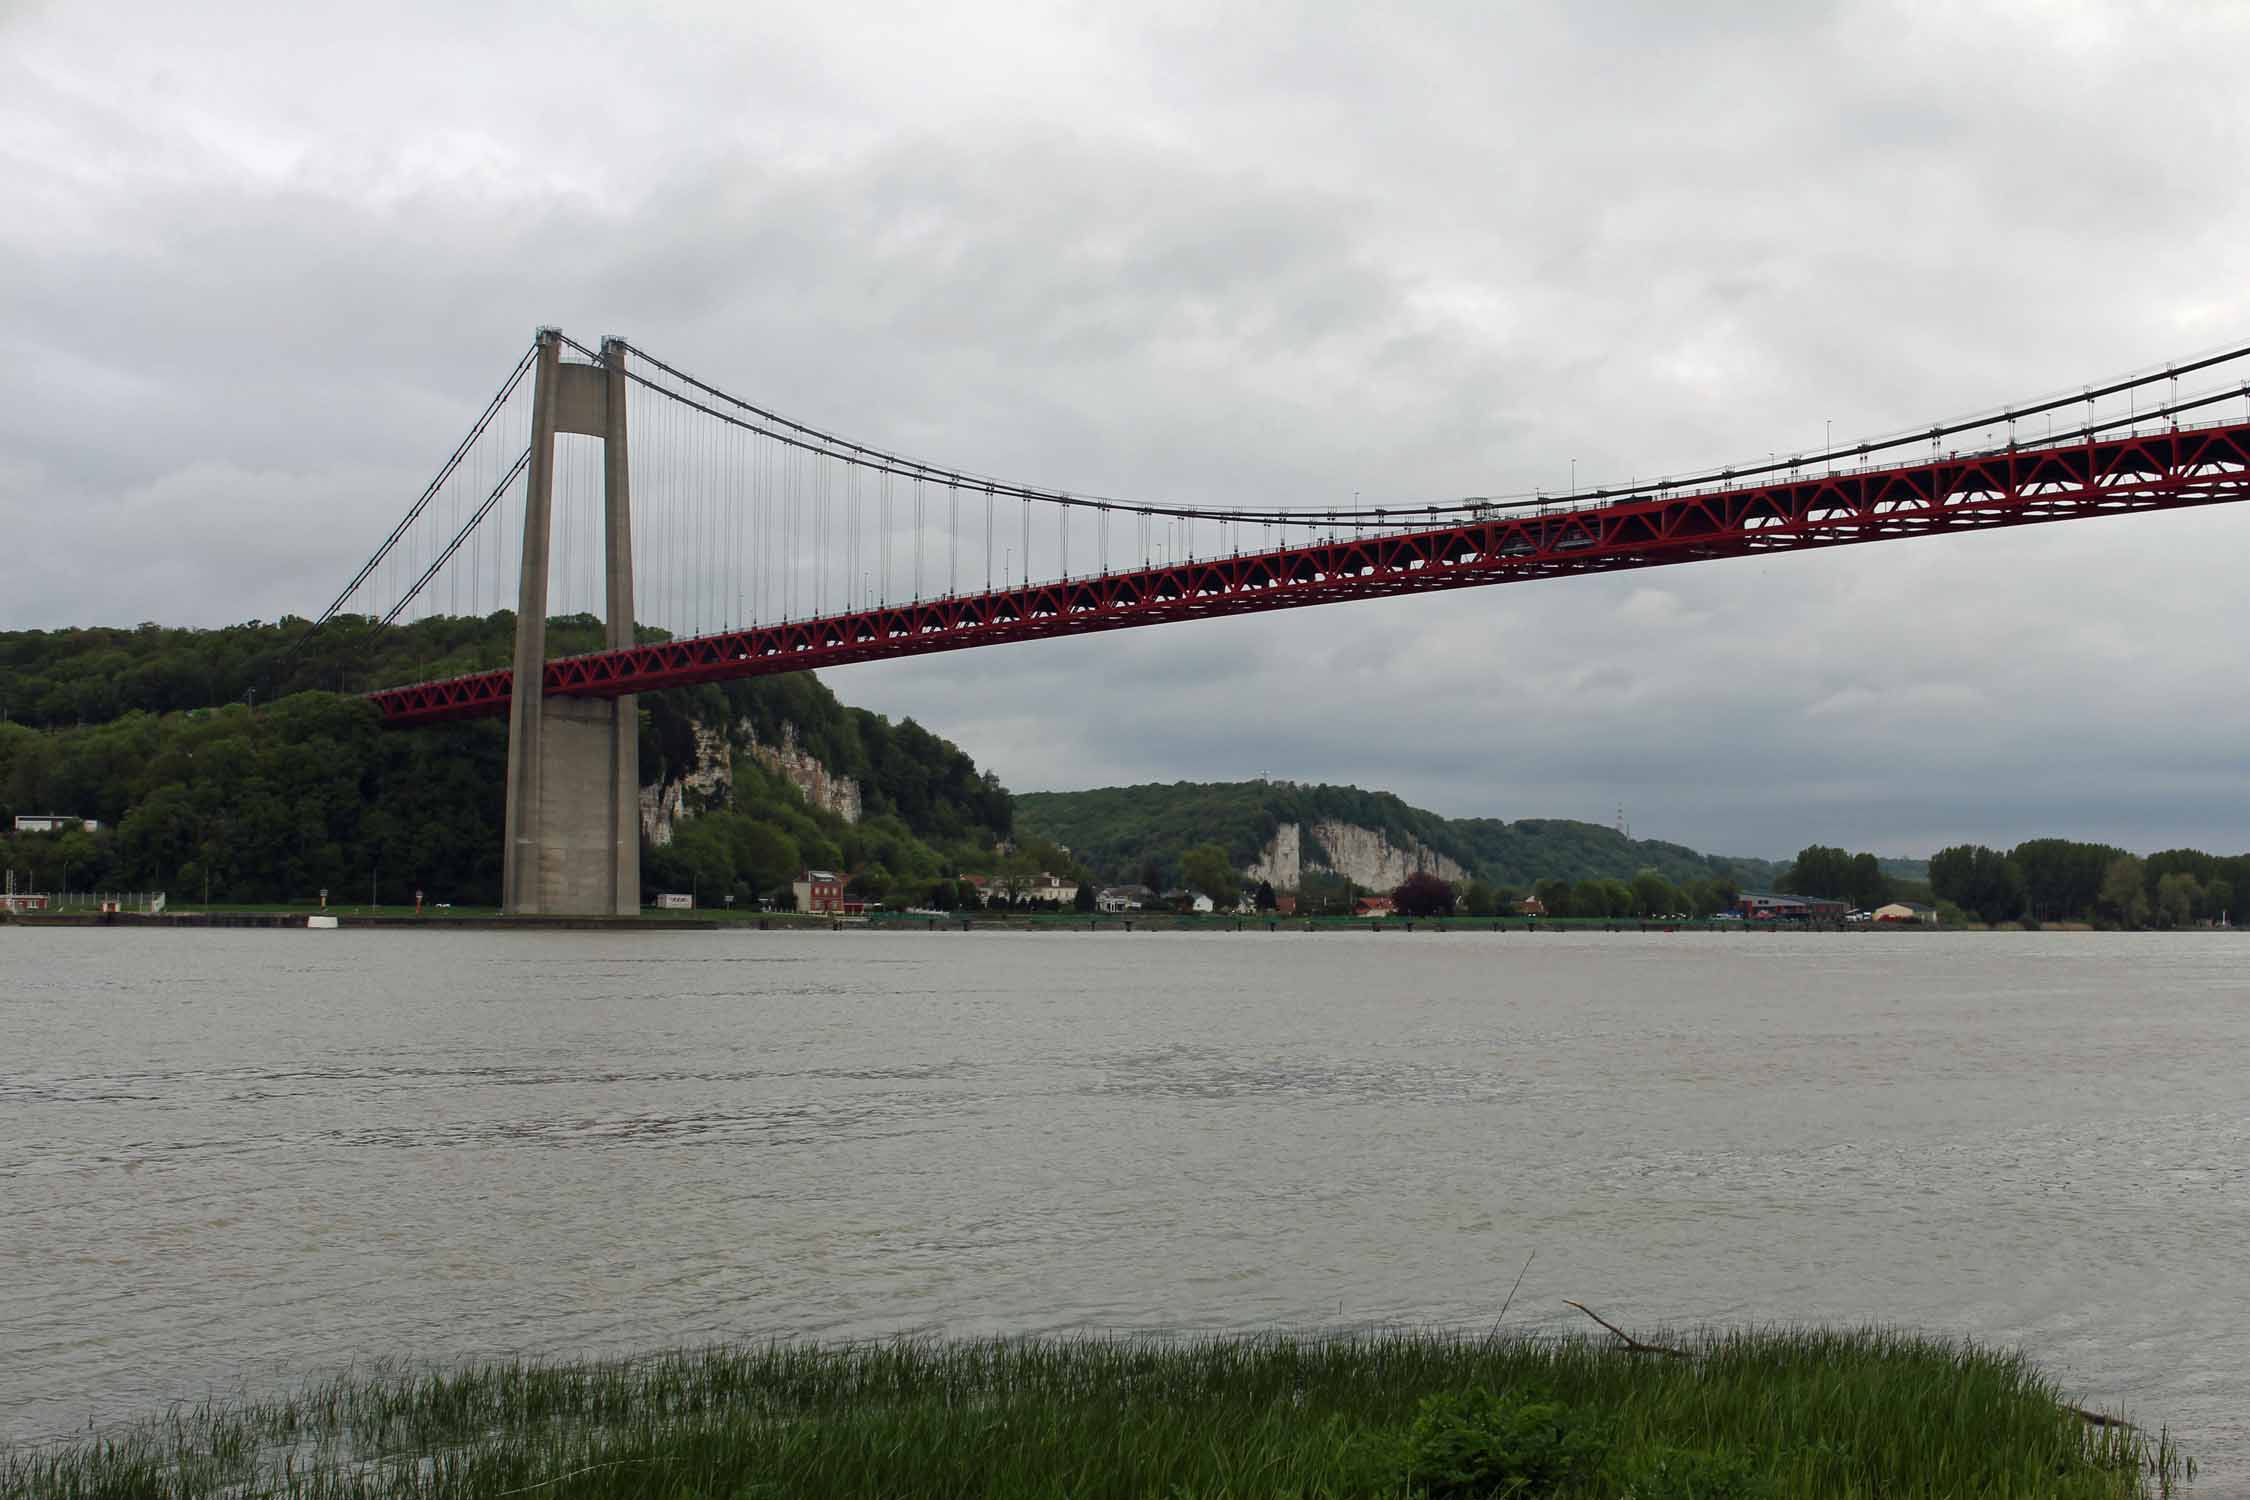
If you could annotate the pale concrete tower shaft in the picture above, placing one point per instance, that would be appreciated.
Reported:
(573, 814)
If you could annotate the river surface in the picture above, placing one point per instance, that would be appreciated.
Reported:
(231, 1159)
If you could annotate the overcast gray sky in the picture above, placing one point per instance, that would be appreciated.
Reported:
(259, 264)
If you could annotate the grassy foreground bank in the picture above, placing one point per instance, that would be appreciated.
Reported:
(1768, 1415)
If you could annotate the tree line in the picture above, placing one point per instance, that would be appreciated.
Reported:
(2064, 880)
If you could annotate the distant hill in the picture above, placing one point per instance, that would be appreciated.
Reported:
(1119, 831)
(1561, 848)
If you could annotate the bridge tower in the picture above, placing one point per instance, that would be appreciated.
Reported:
(573, 818)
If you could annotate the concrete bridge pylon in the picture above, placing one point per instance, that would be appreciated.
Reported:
(573, 799)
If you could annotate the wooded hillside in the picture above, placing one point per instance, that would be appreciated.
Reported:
(304, 790)
(1122, 831)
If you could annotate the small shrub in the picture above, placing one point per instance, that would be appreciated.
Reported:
(1477, 1443)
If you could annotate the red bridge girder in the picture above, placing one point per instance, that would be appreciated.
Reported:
(2167, 470)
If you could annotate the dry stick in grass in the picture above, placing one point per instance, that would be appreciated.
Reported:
(1511, 1294)
(1632, 1345)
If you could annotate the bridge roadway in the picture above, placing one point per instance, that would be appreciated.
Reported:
(2166, 470)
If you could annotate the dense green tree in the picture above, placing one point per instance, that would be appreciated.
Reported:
(2179, 899)
(1818, 870)
(1708, 898)
(699, 861)
(2235, 872)
(2062, 878)
(2201, 867)
(1264, 898)
(1553, 896)
(1321, 892)
(1834, 875)
(2124, 893)
(1979, 880)
(1205, 868)
(1479, 900)
(1654, 896)
(1865, 884)
(1953, 872)
(1086, 900)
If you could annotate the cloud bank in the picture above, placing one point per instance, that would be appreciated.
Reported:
(262, 263)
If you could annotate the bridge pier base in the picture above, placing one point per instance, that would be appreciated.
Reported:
(581, 854)
(574, 777)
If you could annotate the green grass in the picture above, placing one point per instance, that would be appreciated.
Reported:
(1811, 1414)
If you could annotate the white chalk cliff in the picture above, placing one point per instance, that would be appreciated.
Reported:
(1364, 856)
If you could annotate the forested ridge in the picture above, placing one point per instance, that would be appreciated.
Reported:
(290, 786)
(64, 678)
(1121, 832)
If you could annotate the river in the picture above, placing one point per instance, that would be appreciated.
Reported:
(230, 1159)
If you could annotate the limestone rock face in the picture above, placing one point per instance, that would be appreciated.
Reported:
(1364, 856)
(709, 782)
(711, 779)
(1281, 863)
(836, 794)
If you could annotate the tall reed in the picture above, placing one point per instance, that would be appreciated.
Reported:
(1794, 1413)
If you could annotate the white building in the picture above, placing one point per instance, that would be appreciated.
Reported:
(1053, 888)
(1119, 898)
(55, 823)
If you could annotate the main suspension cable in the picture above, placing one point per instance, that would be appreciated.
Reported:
(798, 434)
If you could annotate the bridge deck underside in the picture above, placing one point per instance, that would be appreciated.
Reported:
(2116, 476)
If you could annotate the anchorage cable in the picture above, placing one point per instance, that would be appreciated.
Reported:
(484, 420)
(515, 470)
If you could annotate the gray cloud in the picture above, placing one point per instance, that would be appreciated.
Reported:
(263, 264)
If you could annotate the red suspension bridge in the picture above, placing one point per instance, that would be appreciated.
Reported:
(752, 544)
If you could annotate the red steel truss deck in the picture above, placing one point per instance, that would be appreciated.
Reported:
(2166, 470)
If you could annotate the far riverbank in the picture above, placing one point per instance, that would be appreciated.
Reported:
(487, 919)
